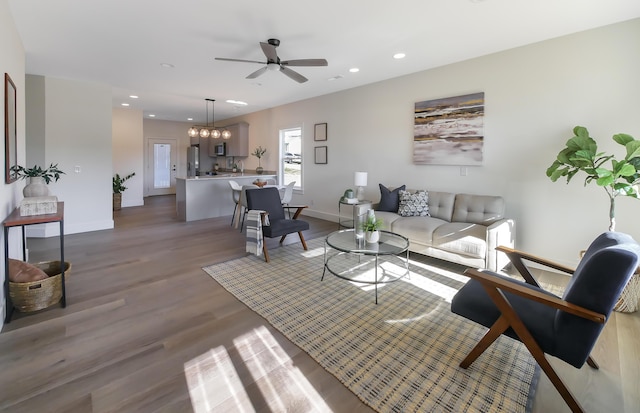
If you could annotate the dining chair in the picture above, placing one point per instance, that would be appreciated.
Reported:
(236, 190)
(243, 201)
(565, 327)
(288, 195)
(271, 181)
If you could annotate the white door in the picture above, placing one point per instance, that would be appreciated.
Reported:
(162, 157)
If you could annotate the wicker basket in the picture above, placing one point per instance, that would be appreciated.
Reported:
(36, 295)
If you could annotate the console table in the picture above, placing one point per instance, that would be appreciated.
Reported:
(16, 220)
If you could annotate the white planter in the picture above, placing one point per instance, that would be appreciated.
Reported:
(35, 187)
(372, 236)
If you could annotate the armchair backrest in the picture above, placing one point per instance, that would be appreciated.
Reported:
(266, 199)
(604, 271)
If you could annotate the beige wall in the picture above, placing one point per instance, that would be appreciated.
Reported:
(128, 153)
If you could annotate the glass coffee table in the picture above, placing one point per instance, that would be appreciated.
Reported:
(355, 260)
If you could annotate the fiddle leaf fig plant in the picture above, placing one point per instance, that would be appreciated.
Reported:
(619, 177)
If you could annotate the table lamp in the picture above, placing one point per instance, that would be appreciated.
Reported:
(360, 183)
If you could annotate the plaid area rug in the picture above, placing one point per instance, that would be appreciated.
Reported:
(401, 355)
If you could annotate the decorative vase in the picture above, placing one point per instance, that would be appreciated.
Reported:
(234, 170)
(372, 236)
(259, 170)
(117, 202)
(35, 187)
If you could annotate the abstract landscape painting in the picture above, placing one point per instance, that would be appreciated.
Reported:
(449, 131)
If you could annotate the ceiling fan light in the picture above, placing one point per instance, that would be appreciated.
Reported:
(273, 66)
(215, 133)
(226, 134)
(204, 133)
(193, 132)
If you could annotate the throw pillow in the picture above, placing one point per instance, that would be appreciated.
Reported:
(389, 200)
(414, 205)
(23, 272)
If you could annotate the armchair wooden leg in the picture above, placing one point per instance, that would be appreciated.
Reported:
(527, 339)
(304, 243)
(264, 251)
(496, 330)
(282, 238)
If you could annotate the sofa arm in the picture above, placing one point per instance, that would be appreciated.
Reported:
(501, 232)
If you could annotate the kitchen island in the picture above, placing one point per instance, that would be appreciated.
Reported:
(202, 197)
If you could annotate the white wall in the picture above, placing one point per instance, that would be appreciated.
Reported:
(534, 96)
(77, 130)
(12, 62)
(128, 154)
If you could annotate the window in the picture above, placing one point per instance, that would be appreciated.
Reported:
(291, 157)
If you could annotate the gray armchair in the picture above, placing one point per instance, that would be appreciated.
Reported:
(268, 200)
(566, 327)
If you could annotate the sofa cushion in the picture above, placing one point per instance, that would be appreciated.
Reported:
(478, 209)
(441, 204)
(414, 204)
(418, 229)
(462, 238)
(389, 200)
(388, 218)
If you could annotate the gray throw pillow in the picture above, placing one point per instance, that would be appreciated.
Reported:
(413, 205)
(389, 200)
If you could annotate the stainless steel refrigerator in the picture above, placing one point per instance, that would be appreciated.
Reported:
(193, 161)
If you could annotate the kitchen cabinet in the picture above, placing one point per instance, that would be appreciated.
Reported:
(238, 144)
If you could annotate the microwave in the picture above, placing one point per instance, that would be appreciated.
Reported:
(221, 149)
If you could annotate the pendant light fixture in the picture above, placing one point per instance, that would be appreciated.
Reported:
(205, 132)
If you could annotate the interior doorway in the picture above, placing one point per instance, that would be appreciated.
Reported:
(162, 166)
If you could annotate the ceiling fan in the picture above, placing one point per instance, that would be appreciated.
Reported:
(274, 63)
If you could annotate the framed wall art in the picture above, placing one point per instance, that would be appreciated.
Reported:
(320, 156)
(449, 131)
(10, 129)
(320, 132)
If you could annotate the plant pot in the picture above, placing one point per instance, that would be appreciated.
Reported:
(259, 170)
(117, 202)
(372, 236)
(35, 187)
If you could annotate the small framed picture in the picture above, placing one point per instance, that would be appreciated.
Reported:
(320, 155)
(320, 132)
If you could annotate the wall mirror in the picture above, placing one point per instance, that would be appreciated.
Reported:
(10, 132)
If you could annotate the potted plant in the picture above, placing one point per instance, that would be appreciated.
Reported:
(259, 153)
(581, 155)
(38, 178)
(119, 188)
(370, 226)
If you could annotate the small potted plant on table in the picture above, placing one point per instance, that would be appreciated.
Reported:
(259, 153)
(38, 178)
(371, 226)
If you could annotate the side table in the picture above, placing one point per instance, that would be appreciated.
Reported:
(16, 220)
(358, 207)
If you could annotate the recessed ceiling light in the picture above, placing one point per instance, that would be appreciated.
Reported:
(335, 77)
(167, 65)
(133, 96)
(189, 118)
(354, 70)
(151, 115)
(237, 102)
(124, 104)
(399, 56)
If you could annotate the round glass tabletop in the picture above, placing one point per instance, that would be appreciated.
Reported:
(389, 243)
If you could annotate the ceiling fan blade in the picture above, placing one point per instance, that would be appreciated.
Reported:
(269, 51)
(239, 60)
(257, 73)
(293, 74)
(305, 62)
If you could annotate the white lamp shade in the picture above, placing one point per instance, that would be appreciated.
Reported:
(360, 179)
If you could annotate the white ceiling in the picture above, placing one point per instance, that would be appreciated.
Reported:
(123, 43)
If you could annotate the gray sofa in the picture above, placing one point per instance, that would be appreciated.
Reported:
(461, 228)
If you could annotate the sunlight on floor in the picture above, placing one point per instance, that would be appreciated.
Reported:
(215, 384)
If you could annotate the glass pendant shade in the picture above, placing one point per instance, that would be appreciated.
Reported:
(204, 133)
(226, 134)
(193, 132)
(215, 133)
